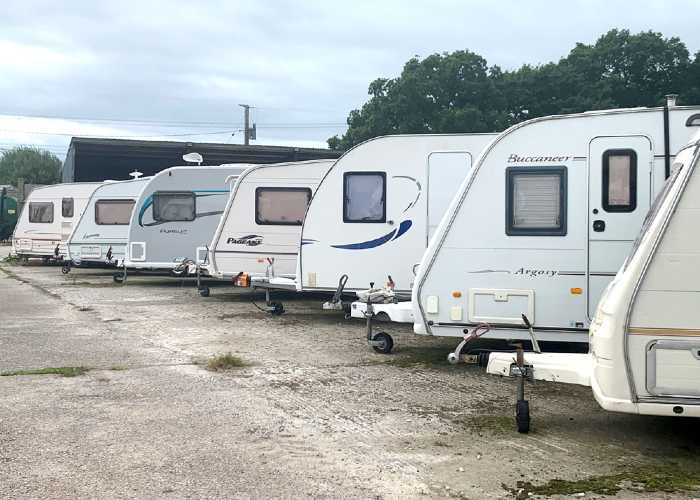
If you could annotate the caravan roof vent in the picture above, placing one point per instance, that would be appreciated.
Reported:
(671, 100)
(135, 174)
(193, 158)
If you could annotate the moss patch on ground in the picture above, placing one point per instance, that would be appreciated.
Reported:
(666, 478)
(63, 371)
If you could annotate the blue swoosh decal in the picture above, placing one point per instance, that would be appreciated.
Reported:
(392, 235)
(146, 204)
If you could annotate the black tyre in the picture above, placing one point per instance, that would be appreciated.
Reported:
(204, 291)
(522, 416)
(276, 308)
(65, 269)
(386, 343)
(118, 278)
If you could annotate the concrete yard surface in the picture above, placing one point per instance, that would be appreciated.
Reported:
(313, 412)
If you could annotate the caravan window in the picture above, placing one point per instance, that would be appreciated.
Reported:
(174, 206)
(536, 201)
(619, 180)
(67, 207)
(41, 212)
(281, 206)
(364, 197)
(113, 212)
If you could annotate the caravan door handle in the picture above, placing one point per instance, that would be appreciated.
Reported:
(598, 226)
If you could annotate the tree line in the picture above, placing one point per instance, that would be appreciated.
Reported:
(33, 165)
(459, 92)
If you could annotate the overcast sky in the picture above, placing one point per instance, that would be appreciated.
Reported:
(164, 68)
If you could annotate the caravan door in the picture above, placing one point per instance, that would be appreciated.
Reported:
(620, 190)
(446, 171)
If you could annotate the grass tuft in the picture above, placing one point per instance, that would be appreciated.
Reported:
(224, 362)
(63, 371)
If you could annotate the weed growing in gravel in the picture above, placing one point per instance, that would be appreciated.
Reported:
(10, 259)
(63, 371)
(225, 362)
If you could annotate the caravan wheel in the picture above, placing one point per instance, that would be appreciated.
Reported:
(204, 291)
(384, 343)
(66, 268)
(118, 278)
(276, 308)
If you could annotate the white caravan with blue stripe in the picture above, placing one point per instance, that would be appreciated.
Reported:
(374, 211)
(100, 236)
(177, 214)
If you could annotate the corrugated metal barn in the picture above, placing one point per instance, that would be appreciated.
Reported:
(93, 159)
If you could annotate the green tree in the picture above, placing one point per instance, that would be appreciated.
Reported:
(458, 92)
(34, 165)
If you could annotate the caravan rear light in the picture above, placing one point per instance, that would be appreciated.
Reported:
(576, 291)
(456, 294)
(241, 280)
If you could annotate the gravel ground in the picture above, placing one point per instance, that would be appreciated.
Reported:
(314, 413)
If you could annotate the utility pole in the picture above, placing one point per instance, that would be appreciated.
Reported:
(248, 132)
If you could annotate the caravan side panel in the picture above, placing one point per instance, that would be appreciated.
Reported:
(260, 230)
(47, 219)
(369, 217)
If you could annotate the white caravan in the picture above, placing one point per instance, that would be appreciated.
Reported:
(645, 337)
(47, 219)
(100, 235)
(544, 222)
(258, 235)
(377, 207)
(176, 215)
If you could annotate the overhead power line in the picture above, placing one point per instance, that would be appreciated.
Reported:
(171, 123)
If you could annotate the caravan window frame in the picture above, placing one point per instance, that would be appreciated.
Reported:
(278, 189)
(33, 221)
(156, 207)
(347, 219)
(511, 174)
(632, 205)
(64, 202)
(117, 201)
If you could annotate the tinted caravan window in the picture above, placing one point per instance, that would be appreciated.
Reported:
(364, 197)
(536, 201)
(67, 207)
(619, 180)
(41, 212)
(174, 206)
(281, 206)
(113, 212)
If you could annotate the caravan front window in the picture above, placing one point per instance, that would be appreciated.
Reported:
(67, 207)
(536, 201)
(113, 212)
(619, 180)
(41, 212)
(364, 197)
(281, 206)
(174, 206)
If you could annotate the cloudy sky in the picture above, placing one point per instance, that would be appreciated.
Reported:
(167, 69)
